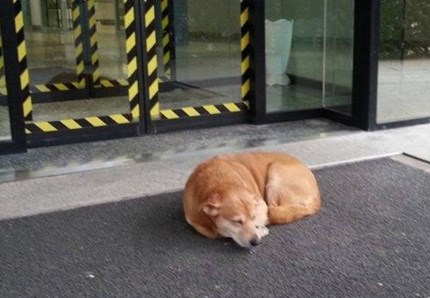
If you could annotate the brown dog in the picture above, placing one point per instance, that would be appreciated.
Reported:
(237, 195)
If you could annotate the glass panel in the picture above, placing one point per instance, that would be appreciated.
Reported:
(309, 46)
(337, 93)
(52, 13)
(52, 59)
(207, 55)
(4, 109)
(51, 52)
(404, 61)
(110, 40)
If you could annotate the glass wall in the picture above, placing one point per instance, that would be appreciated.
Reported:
(404, 60)
(309, 54)
(203, 66)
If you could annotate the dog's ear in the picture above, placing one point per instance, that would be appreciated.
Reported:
(211, 206)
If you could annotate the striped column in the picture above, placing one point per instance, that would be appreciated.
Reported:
(79, 48)
(245, 49)
(167, 44)
(22, 60)
(131, 49)
(151, 53)
(95, 71)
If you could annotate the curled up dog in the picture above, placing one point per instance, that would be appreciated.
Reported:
(238, 195)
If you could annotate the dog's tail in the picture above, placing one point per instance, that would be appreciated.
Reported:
(289, 213)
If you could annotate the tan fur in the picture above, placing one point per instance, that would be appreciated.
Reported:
(237, 195)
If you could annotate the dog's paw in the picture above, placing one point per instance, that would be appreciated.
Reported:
(262, 231)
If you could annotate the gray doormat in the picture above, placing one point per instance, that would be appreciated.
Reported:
(372, 239)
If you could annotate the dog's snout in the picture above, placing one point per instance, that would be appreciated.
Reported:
(254, 242)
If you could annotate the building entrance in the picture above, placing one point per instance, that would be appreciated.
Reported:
(93, 69)
(141, 65)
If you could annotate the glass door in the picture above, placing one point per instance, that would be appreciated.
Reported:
(83, 71)
(197, 58)
(309, 55)
(12, 137)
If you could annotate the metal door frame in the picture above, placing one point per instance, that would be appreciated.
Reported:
(14, 95)
(259, 108)
(86, 128)
(144, 90)
(159, 119)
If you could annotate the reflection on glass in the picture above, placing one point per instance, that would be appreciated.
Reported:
(207, 55)
(110, 40)
(4, 110)
(52, 56)
(50, 45)
(309, 54)
(404, 61)
(339, 55)
(53, 16)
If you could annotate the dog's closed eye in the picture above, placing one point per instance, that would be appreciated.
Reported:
(237, 221)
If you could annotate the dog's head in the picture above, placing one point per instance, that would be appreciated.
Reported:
(238, 214)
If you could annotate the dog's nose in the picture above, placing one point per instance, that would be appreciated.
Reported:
(254, 242)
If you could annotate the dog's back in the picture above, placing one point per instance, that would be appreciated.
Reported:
(257, 163)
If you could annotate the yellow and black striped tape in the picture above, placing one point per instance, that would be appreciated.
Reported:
(167, 44)
(79, 47)
(245, 50)
(204, 110)
(95, 70)
(73, 124)
(131, 50)
(42, 88)
(151, 53)
(22, 59)
(112, 83)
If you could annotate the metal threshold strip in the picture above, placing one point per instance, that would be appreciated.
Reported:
(403, 157)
